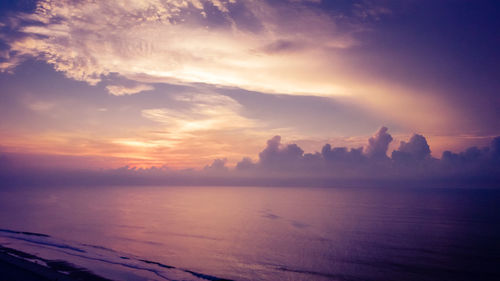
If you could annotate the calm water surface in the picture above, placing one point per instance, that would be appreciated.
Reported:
(260, 233)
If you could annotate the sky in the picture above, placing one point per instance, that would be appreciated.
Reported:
(220, 84)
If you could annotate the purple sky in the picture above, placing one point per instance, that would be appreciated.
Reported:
(177, 84)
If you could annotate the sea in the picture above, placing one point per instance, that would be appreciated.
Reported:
(258, 233)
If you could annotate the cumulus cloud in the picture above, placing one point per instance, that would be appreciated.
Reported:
(495, 148)
(287, 164)
(378, 144)
(341, 154)
(416, 148)
(474, 161)
(217, 166)
(412, 160)
(290, 159)
(280, 157)
(246, 164)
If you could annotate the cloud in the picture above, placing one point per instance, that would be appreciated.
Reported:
(273, 47)
(495, 148)
(40, 106)
(416, 149)
(341, 162)
(245, 164)
(120, 90)
(378, 144)
(281, 46)
(217, 166)
(276, 156)
(287, 164)
(200, 112)
(342, 156)
(411, 161)
(371, 10)
(178, 41)
(474, 162)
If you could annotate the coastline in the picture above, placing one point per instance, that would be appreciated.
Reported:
(15, 268)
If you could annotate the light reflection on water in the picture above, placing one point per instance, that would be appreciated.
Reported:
(263, 233)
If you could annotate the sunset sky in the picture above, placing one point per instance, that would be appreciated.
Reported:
(179, 83)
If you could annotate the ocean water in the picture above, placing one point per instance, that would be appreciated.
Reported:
(259, 233)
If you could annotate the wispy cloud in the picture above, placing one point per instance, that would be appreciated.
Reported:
(290, 47)
(202, 112)
(120, 90)
(184, 41)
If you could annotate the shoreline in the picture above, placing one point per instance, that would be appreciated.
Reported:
(14, 268)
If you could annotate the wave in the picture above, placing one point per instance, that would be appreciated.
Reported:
(78, 273)
(92, 253)
(24, 232)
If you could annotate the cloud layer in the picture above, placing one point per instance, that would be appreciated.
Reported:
(286, 47)
(287, 164)
(248, 44)
(412, 160)
(306, 48)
